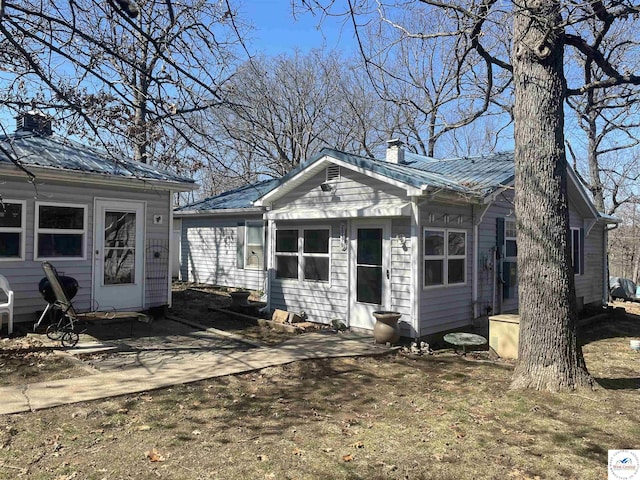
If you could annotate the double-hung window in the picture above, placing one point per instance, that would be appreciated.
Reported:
(250, 245)
(303, 254)
(61, 231)
(12, 229)
(445, 257)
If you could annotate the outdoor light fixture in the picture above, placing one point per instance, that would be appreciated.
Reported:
(326, 187)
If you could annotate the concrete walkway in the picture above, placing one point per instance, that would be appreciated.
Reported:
(36, 396)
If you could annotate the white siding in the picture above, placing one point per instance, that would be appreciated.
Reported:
(351, 192)
(401, 295)
(490, 292)
(321, 301)
(589, 285)
(447, 307)
(24, 276)
(209, 253)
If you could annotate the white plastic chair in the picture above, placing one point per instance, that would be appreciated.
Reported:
(6, 307)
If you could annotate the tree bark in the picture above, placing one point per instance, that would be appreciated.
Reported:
(549, 357)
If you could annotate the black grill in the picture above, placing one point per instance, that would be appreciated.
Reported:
(69, 285)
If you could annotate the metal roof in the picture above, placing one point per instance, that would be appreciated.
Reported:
(60, 153)
(242, 197)
(468, 175)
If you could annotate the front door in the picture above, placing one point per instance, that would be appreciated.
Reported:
(369, 272)
(118, 255)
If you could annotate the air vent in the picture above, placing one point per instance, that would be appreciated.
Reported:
(333, 172)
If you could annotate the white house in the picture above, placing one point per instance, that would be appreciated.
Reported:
(104, 221)
(341, 236)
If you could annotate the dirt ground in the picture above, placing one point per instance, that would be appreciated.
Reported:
(440, 416)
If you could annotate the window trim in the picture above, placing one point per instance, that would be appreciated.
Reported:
(22, 230)
(445, 258)
(37, 230)
(301, 254)
(508, 238)
(247, 225)
(577, 231)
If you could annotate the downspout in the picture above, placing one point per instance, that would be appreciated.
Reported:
(269, 257)
(476, 253)
(605, 270)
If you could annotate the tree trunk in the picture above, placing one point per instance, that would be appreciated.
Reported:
(549, 357)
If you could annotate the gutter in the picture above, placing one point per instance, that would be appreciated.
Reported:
(222, 211)
(49, 173)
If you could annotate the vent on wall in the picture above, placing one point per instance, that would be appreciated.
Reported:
(333, 172)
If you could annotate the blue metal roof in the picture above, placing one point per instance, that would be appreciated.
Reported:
(475, 176)
(60, 153)
(242, 197)
(468, 175)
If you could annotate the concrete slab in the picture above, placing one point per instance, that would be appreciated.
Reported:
(37, 396)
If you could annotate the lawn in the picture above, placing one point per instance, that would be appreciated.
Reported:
(440, 416)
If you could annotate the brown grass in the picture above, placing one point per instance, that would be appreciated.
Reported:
(396, 417)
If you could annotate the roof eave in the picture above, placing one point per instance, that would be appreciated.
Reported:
(217, 212)
(50, 173)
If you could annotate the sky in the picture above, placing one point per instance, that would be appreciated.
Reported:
(277, 31)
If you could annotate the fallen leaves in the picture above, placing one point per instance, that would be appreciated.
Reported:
(347, 458)
(154, 456)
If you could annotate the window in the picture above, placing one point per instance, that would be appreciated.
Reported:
(315, 255)
(303, 255)
(60, 231)
(577, 250)
(250, 246)
(445, 257)
(511, 245)
(12, 229)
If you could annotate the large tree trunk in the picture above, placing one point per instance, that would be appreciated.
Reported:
(549, 357)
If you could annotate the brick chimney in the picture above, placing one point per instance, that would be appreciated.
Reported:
(395, 152)
(34, 121)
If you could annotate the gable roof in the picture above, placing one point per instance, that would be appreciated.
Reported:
(62, 156)
(468, 176)
(241, 198)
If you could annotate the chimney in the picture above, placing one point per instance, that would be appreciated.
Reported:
(395, 152)
(34, 121)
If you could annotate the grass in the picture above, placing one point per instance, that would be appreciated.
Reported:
(395, 417)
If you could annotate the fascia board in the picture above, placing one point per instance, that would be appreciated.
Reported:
(44, 173)
(216, 213)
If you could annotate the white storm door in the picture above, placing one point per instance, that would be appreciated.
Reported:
(370, 272)
(118, 255)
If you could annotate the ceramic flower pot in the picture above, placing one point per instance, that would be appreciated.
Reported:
(386, 329)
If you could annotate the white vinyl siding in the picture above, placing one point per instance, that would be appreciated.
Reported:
(447, 308)
(24, 275)
(209, 253)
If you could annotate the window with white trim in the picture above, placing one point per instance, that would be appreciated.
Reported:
(510, 242)
(12, 229)
(60, 231)
(577, 250)
(303, 254)
(250, 245)
(445, 257)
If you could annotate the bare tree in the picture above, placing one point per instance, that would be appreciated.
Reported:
(283, 110)
(132, 82)
(436, 87)
(550, 357)
(608, 117)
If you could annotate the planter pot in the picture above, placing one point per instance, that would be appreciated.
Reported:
(240, 299)
(386, 328)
